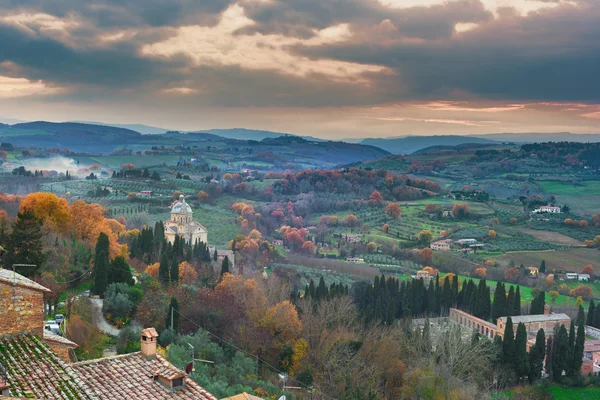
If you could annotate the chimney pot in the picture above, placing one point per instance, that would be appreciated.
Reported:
(148, 340)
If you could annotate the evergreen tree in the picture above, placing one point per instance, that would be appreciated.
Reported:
(321, 290)
(426, 339)
(521, 363)
(550, 356)
(543, 267)
(120, 272)
(163, 269)
(560, 352)
(537, 304)
(215, 256)
(596, 318)
(536, 356)
(174, 273)
(446, 296)
(438, 297)
(25, 244)
(580, 316)
(499, 306)
(172, 319)
(569, 366)
(517, 302)
(454, 300)
(225, 266)
(510, 301)
(508, 344)
(590, 314)
(577, 359)
(101, 264)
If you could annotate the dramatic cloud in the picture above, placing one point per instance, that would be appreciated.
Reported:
(385, 66)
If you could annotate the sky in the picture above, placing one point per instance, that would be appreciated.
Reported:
(327, 68)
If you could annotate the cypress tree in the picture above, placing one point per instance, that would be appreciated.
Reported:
(225, 266)
(536, 356)
(510, 301)
(163, 269)
(572, 333)
(215, 256)
(426, 339)
(560, 352)
(596, 320)
(517, 302)
(438, 299)
(431, 298)
(101, 264)
(508, 344)
(578, 349)
(172, 319)
(25, 244)
(454, 300)
(321, 289)
(120, 272)
(543, 267)
(550, 356)
(521, 364)
(590, 314)
(537, 304)
(499, 306)
(580, 316)
(446, 296)
(174, 273)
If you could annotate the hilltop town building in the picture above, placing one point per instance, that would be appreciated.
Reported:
(441, 245)
(182, 224)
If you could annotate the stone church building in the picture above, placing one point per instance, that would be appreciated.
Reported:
(183, 225)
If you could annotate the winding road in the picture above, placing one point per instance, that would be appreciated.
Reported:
(99, 320)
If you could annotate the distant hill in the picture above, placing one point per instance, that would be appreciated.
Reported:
(459, 147)
(410, 144)
(141, 128)
(533, 137)
(76, 128)
(251, 134)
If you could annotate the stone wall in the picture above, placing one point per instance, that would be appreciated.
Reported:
(23, 313)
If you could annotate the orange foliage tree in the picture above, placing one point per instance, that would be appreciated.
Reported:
(308, 247)
(432, 208)
(385, 228)
(371, 247)
(511, 274)
(492, 233)
(588, 269)
(375, 198)
(202, 197)
(49, 208)
(583, 291)
(460, 210)
(393, 210)
(187, 273)
(481, 272)
(152, 270)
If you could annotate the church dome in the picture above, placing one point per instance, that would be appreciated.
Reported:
(181, 207)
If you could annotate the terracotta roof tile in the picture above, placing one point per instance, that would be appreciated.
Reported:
(34, 370)
(131, 376)
(7, 276)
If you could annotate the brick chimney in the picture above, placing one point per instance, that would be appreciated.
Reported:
(547, 309)
(148, 341)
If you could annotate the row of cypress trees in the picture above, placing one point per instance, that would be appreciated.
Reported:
(105, 271)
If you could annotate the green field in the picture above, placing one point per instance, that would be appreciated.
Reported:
(585, 188)
(115, 162)
(572, 260)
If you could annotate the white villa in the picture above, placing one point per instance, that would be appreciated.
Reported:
(183, 225)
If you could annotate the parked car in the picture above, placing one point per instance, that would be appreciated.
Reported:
(59, 318)
(53, 327)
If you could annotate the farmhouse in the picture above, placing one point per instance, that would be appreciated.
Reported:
(425, 275)
(532, 271)
(571, 275)
(547, 209)
(183, 225)
(583, 277)
(441, 245)
(462, 242)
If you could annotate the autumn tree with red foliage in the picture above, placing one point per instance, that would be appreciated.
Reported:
(393, 210)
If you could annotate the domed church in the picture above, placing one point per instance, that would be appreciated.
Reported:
(183, 225)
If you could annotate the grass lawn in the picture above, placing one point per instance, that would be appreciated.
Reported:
(572, 260)
(567, 188)
(575, 393)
